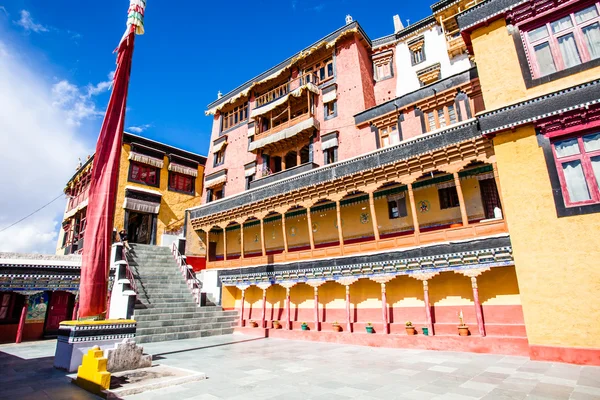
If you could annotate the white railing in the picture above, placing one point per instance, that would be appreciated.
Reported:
(188, 274)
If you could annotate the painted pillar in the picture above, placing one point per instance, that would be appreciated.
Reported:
(21, 326)
(413, 210)
(264, 308)
(242, 241)
(339, 225)
(384, 314)
(461, 200)
(241, 324)
(207, 243)
(427, 307)
(311, 237)
(348, 324)
(497, 179)
(478, 309)
(225, 244)
(284, 231)
(75, 308)
(287, 309)
(373, 216)
(262, 237)
(317, 324)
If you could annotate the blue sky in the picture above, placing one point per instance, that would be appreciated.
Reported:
(55, 61)
(189, 52)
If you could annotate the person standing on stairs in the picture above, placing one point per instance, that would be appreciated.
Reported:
(123, 238)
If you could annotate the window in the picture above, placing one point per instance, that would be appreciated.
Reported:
(382, 65)
(232, 118)
(249, 180)
(320, 72)
(6, 303)
(578, 164)
(330, 155)
(389, 136)
(143, 173)
(417, 55)
(441, 117)
(397, 208)
(564, 42)
(331, 109)
(219, 157)
(448, 197)
(181, 183)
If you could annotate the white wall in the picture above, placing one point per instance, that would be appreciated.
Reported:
(435, 51)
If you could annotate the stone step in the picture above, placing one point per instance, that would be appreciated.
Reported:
(165, 310)
(185, 321)
(197, 313)
(184, 328)
(183, 335)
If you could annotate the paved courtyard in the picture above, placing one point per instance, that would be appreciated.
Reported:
(243, 367)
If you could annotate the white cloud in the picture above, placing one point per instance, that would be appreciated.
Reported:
(3, 9)
(139, 129)
(78, 102)
(26, 22)
(39, 154)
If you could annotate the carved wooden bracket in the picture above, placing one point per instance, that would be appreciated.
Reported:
(472, 273)
(423, 276)
(347, 280)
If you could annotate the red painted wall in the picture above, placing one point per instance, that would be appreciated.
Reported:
(385, 90)
(499, 320)
(34, 331)
(197, 263)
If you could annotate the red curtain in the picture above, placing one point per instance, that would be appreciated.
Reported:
(103, 191)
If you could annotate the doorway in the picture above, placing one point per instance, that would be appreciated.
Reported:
(489, 197)
(59, 310)
(140, 227)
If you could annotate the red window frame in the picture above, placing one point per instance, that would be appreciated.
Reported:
(137, 170)
(552, 39)
(7, 303)
(181, 183)
(585, 158)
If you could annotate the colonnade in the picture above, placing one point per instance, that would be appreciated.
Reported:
(424, 277)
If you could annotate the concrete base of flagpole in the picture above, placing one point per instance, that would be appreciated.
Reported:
(75, 338)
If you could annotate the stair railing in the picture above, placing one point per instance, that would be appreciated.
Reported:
(129, 273)
(193, 283)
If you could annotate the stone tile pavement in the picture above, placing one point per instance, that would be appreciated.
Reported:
(243, 367)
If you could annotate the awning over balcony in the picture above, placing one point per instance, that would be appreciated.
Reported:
(215, 179)
(287, 133)
(274, 104)
(144, 159)
(182, 169)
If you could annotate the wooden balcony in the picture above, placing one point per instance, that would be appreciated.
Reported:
(471, 231)
(284, 89)
(283, 126)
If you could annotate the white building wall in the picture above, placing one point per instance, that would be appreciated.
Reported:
(435, 52)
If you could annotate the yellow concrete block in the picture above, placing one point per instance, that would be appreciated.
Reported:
(92, 374)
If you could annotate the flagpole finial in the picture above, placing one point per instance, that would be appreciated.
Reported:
(135, 18)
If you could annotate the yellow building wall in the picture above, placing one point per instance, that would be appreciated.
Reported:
(501, 78)
(324, 222)
(173, 204)
(556, 258)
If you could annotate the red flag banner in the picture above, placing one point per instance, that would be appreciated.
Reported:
(103, 191)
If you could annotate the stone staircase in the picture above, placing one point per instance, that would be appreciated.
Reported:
(165, 309)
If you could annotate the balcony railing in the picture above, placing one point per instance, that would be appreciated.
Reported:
(285, 174)
(283, 125)
(284, 89)
(77, 200)
(473, 230)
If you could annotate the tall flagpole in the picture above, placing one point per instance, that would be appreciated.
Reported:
(95, 266)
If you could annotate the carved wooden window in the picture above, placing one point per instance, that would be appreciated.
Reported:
(143, 173)
(234, 117)
(389, 136)
(441, 117)
(417, 50)
(181, 183)
(382, 65)
(564, 42)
